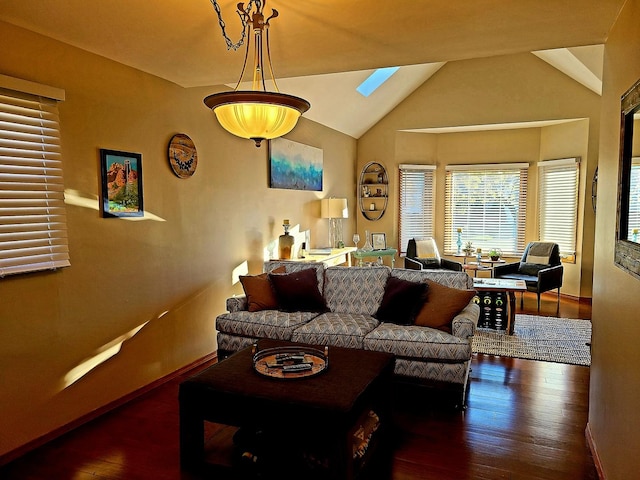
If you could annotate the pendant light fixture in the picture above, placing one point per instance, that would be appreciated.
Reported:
(256, 114)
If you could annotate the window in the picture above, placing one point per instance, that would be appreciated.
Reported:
(416, 203)
(488, 202)
(32, 214)
(558, 203)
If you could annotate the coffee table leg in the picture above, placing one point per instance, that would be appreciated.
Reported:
(512, 312)
(191, 438)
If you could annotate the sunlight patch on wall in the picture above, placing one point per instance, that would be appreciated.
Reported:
(242, 269)
(84, 200)
(101, 355)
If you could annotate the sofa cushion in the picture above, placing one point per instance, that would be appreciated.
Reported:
(411, 341)
(263, 324)
(355, 289)
(298, 291)
(337, 329)
(442, 305)
(401, 301)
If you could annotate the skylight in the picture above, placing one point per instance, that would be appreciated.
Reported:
(376, 79)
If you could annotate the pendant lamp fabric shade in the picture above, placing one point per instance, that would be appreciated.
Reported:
(257, 115)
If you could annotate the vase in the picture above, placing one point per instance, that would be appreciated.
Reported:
(367, 247)
(285, 243)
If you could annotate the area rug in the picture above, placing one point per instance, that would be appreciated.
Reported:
(549, 339)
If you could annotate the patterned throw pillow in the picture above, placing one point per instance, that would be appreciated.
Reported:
(401, 301)
(442, 305)
(298, 291)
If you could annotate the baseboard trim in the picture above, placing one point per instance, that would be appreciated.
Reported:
(48, 437)
(594, 453)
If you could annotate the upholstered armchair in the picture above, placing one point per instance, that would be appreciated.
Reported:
(540, 267)
(422, 254)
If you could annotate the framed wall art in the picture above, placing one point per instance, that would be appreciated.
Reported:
(121, 174)
(379, 241)
(294, 166)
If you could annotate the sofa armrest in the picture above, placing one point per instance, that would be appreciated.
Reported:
(464, 324)
(237, 303)
(499, 270)
(550, 278)
(411, 264)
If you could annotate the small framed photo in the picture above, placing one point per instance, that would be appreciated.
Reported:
(121, 184)
(379, 241)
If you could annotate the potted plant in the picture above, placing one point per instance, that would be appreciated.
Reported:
(495, 254)
(468, 249)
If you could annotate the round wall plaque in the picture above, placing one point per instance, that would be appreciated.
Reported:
(183, 156)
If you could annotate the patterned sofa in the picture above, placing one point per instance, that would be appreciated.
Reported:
(353, 295)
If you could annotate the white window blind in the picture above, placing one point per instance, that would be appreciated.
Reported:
(416, 203)
(634, 201)
(488, 202)
(558, 203)
(33, 232)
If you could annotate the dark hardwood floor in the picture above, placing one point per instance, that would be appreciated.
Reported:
(525, 420)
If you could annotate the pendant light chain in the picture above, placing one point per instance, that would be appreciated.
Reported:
(244, 18)
(256, 114)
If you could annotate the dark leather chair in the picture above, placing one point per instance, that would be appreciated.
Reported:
(540, 277)
(413, 262)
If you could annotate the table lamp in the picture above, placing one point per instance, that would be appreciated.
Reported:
(335, 209)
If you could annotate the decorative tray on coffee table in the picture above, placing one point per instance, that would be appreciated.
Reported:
(290, 362)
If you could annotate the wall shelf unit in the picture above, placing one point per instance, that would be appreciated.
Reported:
(373, 191)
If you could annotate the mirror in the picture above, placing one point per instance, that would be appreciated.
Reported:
(627, 251)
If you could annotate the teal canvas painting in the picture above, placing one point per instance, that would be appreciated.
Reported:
(294, 166)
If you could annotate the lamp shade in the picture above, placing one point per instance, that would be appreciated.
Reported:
(257, 115)
(334, 208)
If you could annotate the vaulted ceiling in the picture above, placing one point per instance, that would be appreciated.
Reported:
(323, 49)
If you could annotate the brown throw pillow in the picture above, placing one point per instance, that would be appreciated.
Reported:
(442, 304)
(259, 292)
(401, 301)
(298, 291)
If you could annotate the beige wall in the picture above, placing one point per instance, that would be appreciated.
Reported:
(614, 421)
(515, 88)
(168, 273)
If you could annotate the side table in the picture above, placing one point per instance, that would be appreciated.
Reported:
(389, 252)
(508, 287)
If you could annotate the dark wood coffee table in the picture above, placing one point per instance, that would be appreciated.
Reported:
(322, 412)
